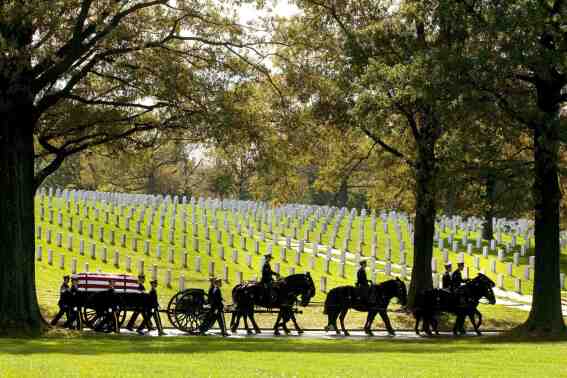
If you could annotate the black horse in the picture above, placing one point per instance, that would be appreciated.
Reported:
(247, 295)
(342, 298)
(462, 302)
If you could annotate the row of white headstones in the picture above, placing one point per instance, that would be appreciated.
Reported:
(254, 215)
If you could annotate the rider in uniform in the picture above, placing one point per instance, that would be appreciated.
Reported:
(457, 277)
(362, 281)
(267, 277)
(63, 298)
(446, 282)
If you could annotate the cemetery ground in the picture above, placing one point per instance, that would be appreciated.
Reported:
(73, 355)
(182, 242)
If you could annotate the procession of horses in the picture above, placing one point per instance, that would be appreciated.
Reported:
(102, 301)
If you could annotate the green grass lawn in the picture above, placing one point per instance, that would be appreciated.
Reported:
(123, 356)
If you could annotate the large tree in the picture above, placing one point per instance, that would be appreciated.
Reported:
(115, 67)
(382, 61)
(517, 53)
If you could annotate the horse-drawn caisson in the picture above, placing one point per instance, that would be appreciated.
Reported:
(101, 301)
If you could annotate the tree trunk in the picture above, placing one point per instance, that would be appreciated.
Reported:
(545, 315)
(341, 197)
(424, 220)
(490, 198)
(19, 310)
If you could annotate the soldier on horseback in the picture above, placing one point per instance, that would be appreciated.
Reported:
(447, 280)
(267, 277)
(457, 277)
(362, 282)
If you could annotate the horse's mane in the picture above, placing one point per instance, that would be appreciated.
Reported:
(295, 278)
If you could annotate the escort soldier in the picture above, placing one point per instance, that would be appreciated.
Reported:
(109, 309)
(142, 289)
(63, 299)
(457, 277)
(154, 310)
(74, 312)
(446, 281)
(217, 307)
(362, 281)
(267, 277)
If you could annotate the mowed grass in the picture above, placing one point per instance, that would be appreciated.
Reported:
(122, 356)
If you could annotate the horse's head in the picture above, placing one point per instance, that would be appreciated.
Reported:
(308, 291)
(301, 285)
(401, 292)
(484, 286)
(395, 288)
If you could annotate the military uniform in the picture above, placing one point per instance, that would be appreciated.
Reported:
(267, 280)
(63, 303)
(362, 284)
(217, 311)
(135, 315)
(361, 279)
(74, 309)
(267, 274)
(154, 313)
(456, 279)
(447, 282)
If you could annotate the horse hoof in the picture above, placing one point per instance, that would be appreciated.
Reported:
(257, 331)
(392, 333)
(478, 333)
(276, 333)
(347, 333)
(249, 332)
(300, 331)
(436, 333)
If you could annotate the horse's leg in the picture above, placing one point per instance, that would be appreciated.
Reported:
(387, 323)
(342, 316)
(254, 324)
(477, 325)
(417, 316)
(294, 320)
(368, 323)
(428, 320)
(457, 327)
(234, 321)
(462, 319)
(435, 325)
(277, 324)
(285, 320)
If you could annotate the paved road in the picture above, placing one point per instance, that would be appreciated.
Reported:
(267, 334)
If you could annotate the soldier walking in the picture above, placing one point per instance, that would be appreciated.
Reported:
(217, 307)
(74, 306)
(142, 289)
(63, 301)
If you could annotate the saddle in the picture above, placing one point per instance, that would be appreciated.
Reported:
(366, 295)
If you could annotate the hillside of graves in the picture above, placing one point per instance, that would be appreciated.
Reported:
(182, 241)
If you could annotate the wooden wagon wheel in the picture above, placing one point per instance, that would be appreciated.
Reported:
(121, 317)
(89, 316)
(186, 310)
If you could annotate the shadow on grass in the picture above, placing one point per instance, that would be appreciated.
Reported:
(96, 345)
